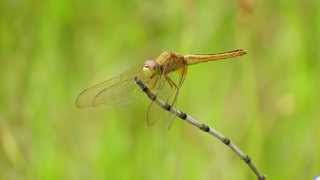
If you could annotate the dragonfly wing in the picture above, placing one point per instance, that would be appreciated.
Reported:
(167, 90)
(110, 92)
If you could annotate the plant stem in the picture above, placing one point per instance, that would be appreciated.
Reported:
(205, 128)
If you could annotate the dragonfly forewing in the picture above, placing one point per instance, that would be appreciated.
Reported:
(115, 91)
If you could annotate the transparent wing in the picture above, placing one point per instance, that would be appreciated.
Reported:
(114, 91)
(167, 89)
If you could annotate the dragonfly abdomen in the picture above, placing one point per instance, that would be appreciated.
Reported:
(199, 58)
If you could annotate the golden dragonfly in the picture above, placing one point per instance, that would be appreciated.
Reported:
(154, 73)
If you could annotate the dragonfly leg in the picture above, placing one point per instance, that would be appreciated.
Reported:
(171, 82)
(182, 78)
(153, 82)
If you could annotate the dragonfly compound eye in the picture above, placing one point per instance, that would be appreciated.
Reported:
(149, 68)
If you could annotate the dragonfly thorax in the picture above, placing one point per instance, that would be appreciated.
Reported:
(151, 68)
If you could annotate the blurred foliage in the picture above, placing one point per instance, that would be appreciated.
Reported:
(266, 101)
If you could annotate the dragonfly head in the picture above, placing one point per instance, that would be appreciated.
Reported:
(150, 68)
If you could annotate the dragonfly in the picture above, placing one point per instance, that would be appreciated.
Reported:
(155, 73)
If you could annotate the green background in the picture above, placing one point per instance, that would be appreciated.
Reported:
(267, 102)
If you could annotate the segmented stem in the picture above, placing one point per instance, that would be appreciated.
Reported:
(205, 128)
